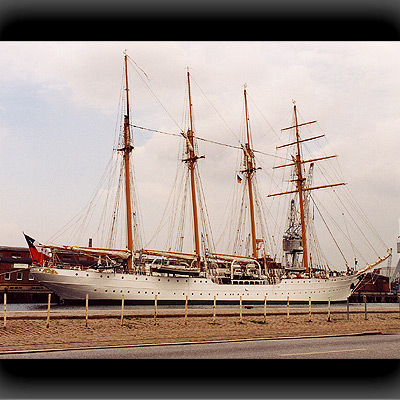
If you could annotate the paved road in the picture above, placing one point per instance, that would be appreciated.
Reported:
(348, 347)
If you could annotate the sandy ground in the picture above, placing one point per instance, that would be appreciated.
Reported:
(25, 334)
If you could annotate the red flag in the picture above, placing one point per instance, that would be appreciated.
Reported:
(39, 254)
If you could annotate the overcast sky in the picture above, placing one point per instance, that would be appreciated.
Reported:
(59, 104)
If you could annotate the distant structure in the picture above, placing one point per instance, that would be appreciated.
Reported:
(381, 284)
(394, 278)
(15, 278)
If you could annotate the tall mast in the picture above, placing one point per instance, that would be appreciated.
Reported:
(300, 180)
(249, 172)
(192, 163)
(301, 189)
(127, 151)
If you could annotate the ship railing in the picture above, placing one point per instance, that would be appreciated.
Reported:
(64, 266)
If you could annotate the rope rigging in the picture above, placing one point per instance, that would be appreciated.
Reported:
(235, 236)
(207, 140)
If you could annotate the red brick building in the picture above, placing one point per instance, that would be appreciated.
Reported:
(15, 279)
(374, 282)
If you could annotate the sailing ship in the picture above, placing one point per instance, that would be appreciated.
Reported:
(140, 274)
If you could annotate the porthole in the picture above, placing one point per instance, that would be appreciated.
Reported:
(95, 290)
(101, 276)
(87, 274)
(106, 290)
(122, 277)
(76, 274)
(113, 291)
(159, 279)
(108, 276)
(128, 291)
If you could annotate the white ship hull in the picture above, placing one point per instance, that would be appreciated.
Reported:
(74, 285)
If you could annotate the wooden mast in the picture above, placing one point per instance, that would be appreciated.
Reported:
(127, 149)
(249, 172)
(300, 189)
(191, 164)
(300, 181)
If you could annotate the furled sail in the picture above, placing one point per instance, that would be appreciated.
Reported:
(169, 254)
(120, 253)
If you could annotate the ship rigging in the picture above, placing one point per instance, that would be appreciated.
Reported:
(246, 268)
